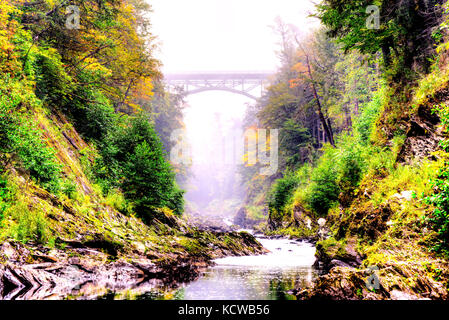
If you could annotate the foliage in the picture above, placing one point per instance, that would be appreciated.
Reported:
(29, 225)
(20, 136)
(92, 113)
(350, 97)
(364, 124)
(404, 34)
(117, 200)
(69, 189)
(99, 75)
(5, 197)
(293, 137)
(281, 192)
(323, 190)
(133, 160)
(440, 185)
(52, 81)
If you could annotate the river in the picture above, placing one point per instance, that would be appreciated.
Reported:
(287, 267)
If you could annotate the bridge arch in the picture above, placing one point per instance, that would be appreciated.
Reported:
(196, 91)
(242, 83)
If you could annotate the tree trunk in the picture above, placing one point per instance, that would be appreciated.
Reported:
(356, 107)
(326, 128)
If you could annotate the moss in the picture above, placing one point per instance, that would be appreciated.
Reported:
(293, 232)
(332, 248)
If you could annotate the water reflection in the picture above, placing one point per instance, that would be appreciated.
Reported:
(246, 283)
(266, 277)
(287, 267)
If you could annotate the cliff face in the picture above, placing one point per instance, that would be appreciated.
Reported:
(87, 246)
(382, 243)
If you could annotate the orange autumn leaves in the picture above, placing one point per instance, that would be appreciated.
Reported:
(8, 27)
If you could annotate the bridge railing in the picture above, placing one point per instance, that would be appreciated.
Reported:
(246, 75)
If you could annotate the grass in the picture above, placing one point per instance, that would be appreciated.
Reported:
(29, 224)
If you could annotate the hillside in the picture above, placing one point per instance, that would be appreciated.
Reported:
(371, 191)
(87, 197)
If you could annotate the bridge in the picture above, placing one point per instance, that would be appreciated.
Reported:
(243, 83)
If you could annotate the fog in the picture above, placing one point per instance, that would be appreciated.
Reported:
(218, 35)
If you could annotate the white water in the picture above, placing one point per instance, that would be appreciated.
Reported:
(266, 277)
(284, 253)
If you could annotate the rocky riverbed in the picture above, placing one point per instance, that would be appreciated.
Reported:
(87, 271)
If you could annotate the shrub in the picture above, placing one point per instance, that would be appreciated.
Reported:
(282, 192)
(36, 157)
(92, 113)
(364, 124)
(350, 164)
(29, 225)
(323, 190)
(52, 82)
(5, 197)
(20, 136)
(440, 185)
(133, 160)
(116, 199)
(70, 190)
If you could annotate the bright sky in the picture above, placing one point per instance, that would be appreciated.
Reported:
(221, 35)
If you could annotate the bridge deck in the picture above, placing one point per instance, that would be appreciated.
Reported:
(218, 76)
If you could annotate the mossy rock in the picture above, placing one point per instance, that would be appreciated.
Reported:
(332, 253)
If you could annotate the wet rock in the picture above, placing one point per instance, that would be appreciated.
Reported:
(423, 136)
(93, 266)
(342, 284)
(393, 281)
(337, 255)
(242, 219)
(338, 263)
(399, 295)
(8, 251)
(404, 195)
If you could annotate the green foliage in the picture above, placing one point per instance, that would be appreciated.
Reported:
(350, 165)
(404, 35)
(340, 169)
(69, 189)
(336, 175)
(440, 185)
(293, 137)
(116, 199)
(36, 156)
(282, 191)
(133, 160)
(5, 197)
(20, 136)
(90, 75)
(52, 81)
(29, 225)
(323, 190)
(364, 124)
(92, 112)
(345, 85)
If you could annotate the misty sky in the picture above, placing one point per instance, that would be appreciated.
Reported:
(220, 35)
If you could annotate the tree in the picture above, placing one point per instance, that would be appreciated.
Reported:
(133, 160)
(404, 36)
